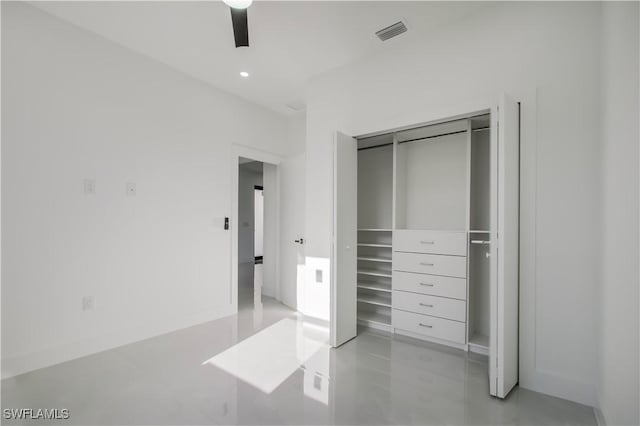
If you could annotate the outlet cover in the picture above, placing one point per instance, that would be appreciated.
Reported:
(131, 189)
(88, 303)
(89, 186)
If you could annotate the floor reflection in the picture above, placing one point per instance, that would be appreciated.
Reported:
(269, 357)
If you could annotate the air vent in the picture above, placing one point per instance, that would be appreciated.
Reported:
(391, 31)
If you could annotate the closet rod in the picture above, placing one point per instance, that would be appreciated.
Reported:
(434, 136)
(375, 146)
(420, 126)
(481, 128)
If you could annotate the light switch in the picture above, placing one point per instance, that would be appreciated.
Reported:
(89, 186)
(131, 189)
(319, 275)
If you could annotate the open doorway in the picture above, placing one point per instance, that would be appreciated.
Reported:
(254, 229)
(250, 233)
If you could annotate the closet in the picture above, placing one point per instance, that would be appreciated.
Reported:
(437, 235)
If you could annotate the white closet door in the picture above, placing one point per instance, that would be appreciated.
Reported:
(345, 222)
(505, 177)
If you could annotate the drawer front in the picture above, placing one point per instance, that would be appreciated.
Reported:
(435, 285)
(451, 266)
(439, 328)
(430, 305)
(451, 243)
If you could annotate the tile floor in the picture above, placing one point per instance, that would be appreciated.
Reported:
(266, 365)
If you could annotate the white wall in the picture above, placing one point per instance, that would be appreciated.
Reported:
(545, 55)
(292, 199)
(618, 393)
(271, 231)
(248, 178)
(76, 106)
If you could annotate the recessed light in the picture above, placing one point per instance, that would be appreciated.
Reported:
(244, 74)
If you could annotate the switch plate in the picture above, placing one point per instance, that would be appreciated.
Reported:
(89, 186)
(319, 275)
(131, 189)
(88, 303)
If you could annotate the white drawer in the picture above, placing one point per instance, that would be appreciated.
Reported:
(436, 285)
(435, 242)
(439, 328)
(451, 266)
(430, 305)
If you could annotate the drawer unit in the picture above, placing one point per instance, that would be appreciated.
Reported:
(426, 325)
(434, 242)
(435, 285)
(430, 305)
(451, 266)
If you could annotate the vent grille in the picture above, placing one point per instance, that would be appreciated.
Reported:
(392, 31)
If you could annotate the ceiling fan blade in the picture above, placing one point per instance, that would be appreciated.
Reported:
(240, 26)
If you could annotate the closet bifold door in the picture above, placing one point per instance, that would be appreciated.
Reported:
(343, 254)
(504, 273)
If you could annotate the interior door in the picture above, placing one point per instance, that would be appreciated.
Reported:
(504, 274)
(343, 253)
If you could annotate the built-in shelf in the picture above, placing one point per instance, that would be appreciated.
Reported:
(374, 273)
(479, 232)
(374, 230)
(374, 245)
(375, 287)
(375, 300)
(375, 259)
(375, 318)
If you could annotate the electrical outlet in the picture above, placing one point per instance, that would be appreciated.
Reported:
(131, 189)
(88, 303)
(89, 186)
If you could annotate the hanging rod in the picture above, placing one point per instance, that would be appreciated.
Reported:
(421, 125)
(481, 128)
(480, 242)
(375, 146)
(434, 136)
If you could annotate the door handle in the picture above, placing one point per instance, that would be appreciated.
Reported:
(300, 241)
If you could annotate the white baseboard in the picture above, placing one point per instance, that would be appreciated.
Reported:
(558, 386)
(599, 417)
(68, 351)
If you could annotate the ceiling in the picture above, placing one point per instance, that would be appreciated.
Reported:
(291, 41)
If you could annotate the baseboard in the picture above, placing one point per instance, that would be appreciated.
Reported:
(16, 365)
(599, 417)
(424, 338)
(558, 386)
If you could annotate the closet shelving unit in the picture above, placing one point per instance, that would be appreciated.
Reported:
(423, 232)
(374, 289)
(374, 278)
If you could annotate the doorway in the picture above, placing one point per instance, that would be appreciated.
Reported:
(250, 233)
(254, 226)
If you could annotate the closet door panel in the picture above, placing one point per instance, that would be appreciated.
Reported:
(451, 266)
(344, 249)
(430, 305)
(455, 288)
(504, 272)
(452, 243)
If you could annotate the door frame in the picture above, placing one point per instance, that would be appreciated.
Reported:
(451, 113)
(244, 151)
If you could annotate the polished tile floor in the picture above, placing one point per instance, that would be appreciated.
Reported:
(266, 365)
